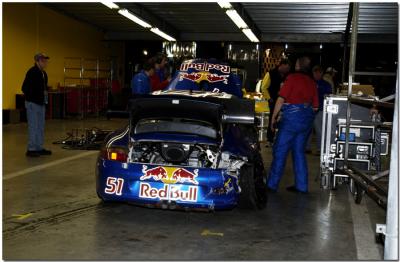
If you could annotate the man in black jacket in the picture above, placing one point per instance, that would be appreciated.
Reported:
(277, 75)
(36, 97)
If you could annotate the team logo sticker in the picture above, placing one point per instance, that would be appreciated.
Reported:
(206, 76)
(170, 175)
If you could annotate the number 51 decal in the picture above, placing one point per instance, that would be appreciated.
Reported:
(114, 186)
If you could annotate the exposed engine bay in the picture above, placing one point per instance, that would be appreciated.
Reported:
(193, 155)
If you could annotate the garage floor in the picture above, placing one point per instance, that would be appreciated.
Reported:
(51, 211)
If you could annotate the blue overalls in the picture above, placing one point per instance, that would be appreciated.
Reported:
(294, 128)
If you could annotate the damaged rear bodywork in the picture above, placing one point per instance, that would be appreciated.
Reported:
(183, 151)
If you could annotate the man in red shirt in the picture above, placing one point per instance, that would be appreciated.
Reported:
(298, 98)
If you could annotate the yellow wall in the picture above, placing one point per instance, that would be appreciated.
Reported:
(29, 28)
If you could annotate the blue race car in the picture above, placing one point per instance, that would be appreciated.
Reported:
(185, 149)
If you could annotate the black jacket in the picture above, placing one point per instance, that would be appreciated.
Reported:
(34, 86)
(275, 86)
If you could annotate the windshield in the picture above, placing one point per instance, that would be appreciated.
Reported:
(176, 125)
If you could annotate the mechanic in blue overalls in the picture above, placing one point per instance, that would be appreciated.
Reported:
(298, 99)
(141, 81)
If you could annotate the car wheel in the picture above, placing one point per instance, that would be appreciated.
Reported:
(101, 198)
(260, 181)
(253, 189)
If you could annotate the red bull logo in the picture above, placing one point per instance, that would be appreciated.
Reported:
(156, 173)
(192, 76)
(170, 175)
(168, 192)
(206, 76)
(182, 175)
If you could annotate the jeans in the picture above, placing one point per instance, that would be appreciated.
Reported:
(317, 129)
(294, 128)
(36, 116)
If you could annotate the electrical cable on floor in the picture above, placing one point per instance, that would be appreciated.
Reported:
(83, 139)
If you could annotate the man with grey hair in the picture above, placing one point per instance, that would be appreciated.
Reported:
(36, 98)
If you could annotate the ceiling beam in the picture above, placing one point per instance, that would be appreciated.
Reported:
(302, 38)
(239, 36)
(151, 18)
(327, 38)
(126, 36)
(266, 37)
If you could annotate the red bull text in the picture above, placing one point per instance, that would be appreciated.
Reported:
(168, 192)
(206, 67)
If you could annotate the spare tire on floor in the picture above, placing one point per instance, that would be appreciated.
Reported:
(253, 193)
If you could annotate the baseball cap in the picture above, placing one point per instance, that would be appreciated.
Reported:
(39, 56)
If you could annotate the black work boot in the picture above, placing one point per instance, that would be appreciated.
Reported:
(44, 152)
(30, 153)
(295, 190)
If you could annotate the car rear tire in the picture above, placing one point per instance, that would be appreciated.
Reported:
(253, 193)
(101, 198)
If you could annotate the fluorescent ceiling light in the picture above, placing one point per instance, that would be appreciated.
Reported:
(250, 35)
(238, 20)
(139, 21)
(134, 18)
(110, 4)
(162, 34)
(224, 4)
(235, 17)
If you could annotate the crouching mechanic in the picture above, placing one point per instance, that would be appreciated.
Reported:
(298, 99)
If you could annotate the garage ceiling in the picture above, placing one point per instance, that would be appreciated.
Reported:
(276, 22)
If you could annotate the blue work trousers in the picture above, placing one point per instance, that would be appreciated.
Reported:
(294, 128)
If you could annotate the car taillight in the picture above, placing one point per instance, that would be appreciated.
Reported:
(115, 153)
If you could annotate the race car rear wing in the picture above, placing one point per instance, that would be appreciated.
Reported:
(209, 109)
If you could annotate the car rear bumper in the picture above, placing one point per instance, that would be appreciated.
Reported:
(166, 186)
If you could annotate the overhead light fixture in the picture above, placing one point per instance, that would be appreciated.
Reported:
(238, 20)
(286, 46)
(139, 21)
(134, 18)
(224, 4)
(162, 34)
(110, 4)
(235, 17)
(250, 35)
(320, 46)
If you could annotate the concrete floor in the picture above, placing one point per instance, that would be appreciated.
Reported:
(51, 211)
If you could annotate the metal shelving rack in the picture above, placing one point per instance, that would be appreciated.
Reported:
(83, 75)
